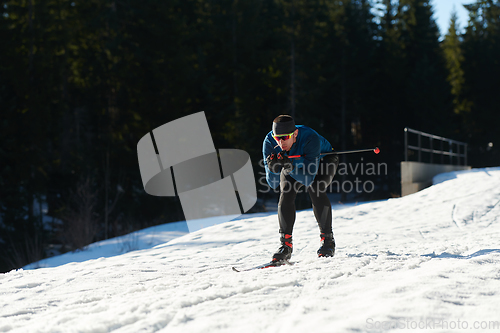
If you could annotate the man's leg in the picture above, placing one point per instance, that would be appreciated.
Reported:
(322, 207)
(286, 215)
(317, 191)
(286, 204)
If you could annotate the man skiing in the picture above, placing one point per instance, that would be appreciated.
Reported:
(311, 170)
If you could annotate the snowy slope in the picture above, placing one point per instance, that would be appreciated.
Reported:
(430, 260)
(139, 240)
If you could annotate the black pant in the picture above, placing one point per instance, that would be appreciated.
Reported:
(317, 191)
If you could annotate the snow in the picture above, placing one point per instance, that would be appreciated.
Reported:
(139, 240)
(428, 262)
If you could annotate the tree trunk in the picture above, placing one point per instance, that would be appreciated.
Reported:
(292, 56)
(343, 117)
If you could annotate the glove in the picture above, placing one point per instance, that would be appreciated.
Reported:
(273, 163)
(286, 162)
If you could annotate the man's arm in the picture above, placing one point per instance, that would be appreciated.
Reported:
(306, 167)
(273, 179)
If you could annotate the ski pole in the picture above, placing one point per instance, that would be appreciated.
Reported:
(376, 150)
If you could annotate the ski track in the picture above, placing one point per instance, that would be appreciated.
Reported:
(433, 255)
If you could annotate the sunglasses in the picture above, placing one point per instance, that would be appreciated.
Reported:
(283, 137)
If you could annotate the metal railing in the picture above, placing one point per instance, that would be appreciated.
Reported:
(449, 151)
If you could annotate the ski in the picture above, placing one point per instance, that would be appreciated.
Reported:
(267, 265)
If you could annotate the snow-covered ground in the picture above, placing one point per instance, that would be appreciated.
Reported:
(428, 261)
(139, 240)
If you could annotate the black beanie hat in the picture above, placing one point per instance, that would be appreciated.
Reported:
(283, 124)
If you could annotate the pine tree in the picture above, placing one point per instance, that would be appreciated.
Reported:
(482, 78)
(427, 92)
(454, 62)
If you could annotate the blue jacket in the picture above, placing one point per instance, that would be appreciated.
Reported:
(308, 143)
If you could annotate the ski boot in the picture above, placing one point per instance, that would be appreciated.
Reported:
(285, 251)
(327, 248)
